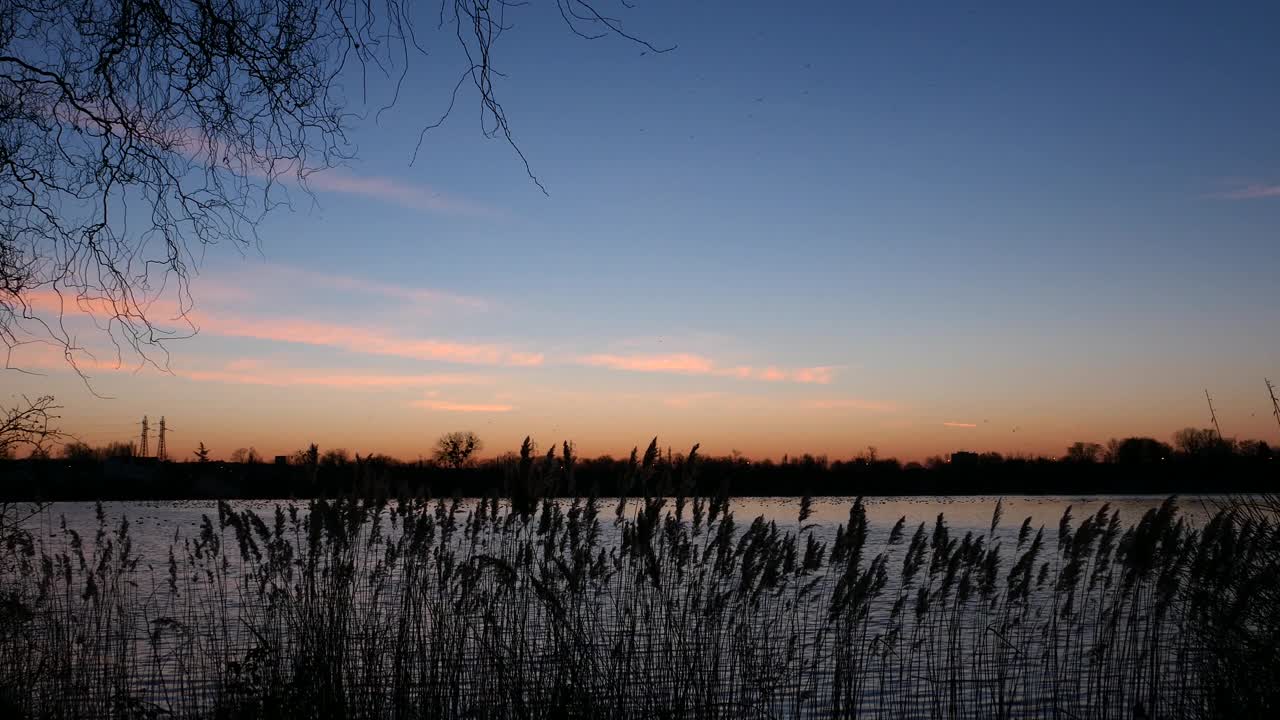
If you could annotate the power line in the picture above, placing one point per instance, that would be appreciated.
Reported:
(146, 432)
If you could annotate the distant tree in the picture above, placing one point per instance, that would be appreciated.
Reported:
(202, 454)
(1142, 451)
(1256, 449)
(118, 450)
(77, 451)
(1084, 452)
(336, 457)
(247, 455)
(1112, 452)
(308, 457)
(377, 461)
(1202, 443)
(456, 449)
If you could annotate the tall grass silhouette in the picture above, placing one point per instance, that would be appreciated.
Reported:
(659, 606)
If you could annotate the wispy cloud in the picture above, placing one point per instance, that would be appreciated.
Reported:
(328, 282)
(361, 340)
(391, 190)
(252, 371)
(47, 300)
(449, 406)
(235, 373)
(672, 363)
(198, 148)
(1251, 191)
(524, 359)
(691, 364)
(36, 356)
(960, 425)
(852, 404)
(352, 338)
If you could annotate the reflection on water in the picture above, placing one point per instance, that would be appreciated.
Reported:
(155, 523)
(644, 612)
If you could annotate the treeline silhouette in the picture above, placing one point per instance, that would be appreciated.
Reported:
(1197, 462)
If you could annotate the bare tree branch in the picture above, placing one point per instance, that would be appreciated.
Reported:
(136, 133)
(31, 423)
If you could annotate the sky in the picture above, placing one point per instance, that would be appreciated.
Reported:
(814, 228)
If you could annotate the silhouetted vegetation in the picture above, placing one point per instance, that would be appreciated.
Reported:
(457, 449)
(1193, 464)
(29, 424)
(660, 607)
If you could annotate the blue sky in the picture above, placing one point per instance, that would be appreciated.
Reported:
(1060, 220)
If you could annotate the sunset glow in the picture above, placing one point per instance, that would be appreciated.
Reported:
(868, 231)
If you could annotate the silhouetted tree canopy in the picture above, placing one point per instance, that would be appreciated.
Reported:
(456, 449)
(110, 473)
(1142, 451)
(1084, 452)
(1202, 443)
(133, 133)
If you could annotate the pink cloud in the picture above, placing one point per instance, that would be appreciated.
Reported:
(281, 377)
(361, 340)
(1252, 191)
(352, 338)
(415, 197)
(244, 365)
(47, 356)
(53, 301)
(252, 371)
(197, 147)
(448, 406)
(959, 425)
(220, 291)
(525, 359)
(816, 375)
(673, 363)
(690, 364)
(820, 375)
(852, 404)
(329, 282)
(202, 150)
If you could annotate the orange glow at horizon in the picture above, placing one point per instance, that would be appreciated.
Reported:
(281, 379)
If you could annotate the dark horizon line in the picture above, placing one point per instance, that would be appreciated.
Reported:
(1208, 443)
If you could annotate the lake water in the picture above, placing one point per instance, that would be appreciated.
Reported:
(155, 523)
(175, 671)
